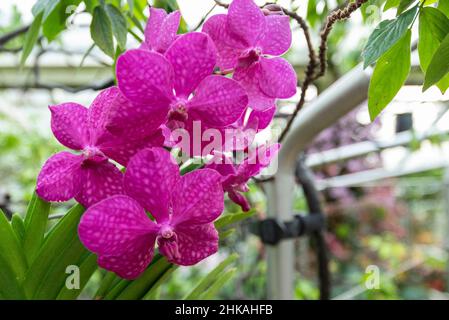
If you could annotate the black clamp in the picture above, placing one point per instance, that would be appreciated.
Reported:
(272, 231)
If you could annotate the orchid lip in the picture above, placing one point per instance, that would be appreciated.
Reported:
(93, 154)
(250, 57)
(166, 231)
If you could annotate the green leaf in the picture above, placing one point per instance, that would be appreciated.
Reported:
(386, 35)
(56, 21)
(59, 238)
(44, 6)
(404, 5)
(18, 226)
(153, 293)
(443, 6)
(389, 75)
(433, 27)
(218, 284)
(139, 287)
(231, 218)
(31, 38)
(9, 285)
(87, 268)
(11, 250)
(91, 4)
(101, 31)
(210, 278)
(391, 4)
(54, 280)
(35, 225)
(105, 285)
(119, 25)
(439, 65)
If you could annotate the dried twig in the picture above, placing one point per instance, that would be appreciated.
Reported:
(13, 34)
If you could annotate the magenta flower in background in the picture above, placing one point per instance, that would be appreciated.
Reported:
(184, 207)
(236, 176)
(160, 31)
(89, 176)
(180, 86)
(250, 43)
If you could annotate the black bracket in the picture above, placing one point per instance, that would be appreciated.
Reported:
(272, 231)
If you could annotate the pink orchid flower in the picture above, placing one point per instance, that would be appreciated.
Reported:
(236, 176)
(250, 43)
(119, 231)
(89, 176)
(180, 86)
(161, 29)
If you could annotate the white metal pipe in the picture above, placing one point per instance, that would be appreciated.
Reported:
(363, 148)
(335, 102)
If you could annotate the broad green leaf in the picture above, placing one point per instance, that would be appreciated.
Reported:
(386, 35)
(105, 285)
(35, 225)
(389, 75)
(11, 250)
(391, 4)
(91, 4)
(130, 5)
(87, 268)
(44, 6)
(59, 238)
(119, 25)
(153, 293)
(56, 21)
(140, 286)
(210, 278)
(439, 65)
(231, 218)
(219, 284)
(443, 6)
(226, 233)
(55, 277)
(433, 27)
(10, 288)
(18, 226)
(404, 5)
(101, 31)
(31, 38)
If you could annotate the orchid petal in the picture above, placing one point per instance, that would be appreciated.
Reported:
(193, 56)
(60, 178)
(277, 38)
(160, 31)
(263, 118)
(246, 21)
(69, 125)
(257, 99)
(100, 180)
(229, 48)
(150, 178)
(145, 77)
(277, 78)
(219, 101)
(197, 198)
(239, 199)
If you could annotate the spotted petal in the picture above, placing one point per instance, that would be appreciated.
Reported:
(277, 78)
(60, 178)
(193, 244)
(277, 37)
(219, 101)
(197, 198)
(229, 48)
(193, 56)
(246, 21)
(150, 178)
(69, 125)
(145, 77)
(100, 180)
(160, 31)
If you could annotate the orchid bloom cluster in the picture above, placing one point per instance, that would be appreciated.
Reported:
(174, 91)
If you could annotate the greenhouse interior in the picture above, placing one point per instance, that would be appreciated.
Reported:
(346, 99)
